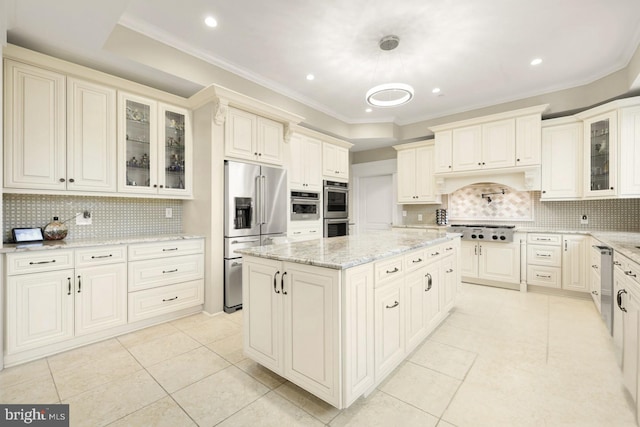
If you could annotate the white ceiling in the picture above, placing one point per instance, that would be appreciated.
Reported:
(477, 52)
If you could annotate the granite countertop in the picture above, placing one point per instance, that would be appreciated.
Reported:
(621, 242)
(83, 243)
(349, 251)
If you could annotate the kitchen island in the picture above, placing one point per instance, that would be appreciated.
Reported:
(335, 316)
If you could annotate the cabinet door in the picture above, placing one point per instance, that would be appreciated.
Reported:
(528, 139)
(575, 256)
(562, 162)
(499, 144)
(600, 155)
(449, 282)
(313, 168)
(389, 328)
(631, 303)
(297, 163)
(406, 161)
(342, 161)
(425, 182)
(468, 259)
(433, 289)
(630, 152)
(311, 329)
(39, 309)
(91, 137)
(619, 283)
(175, 151)
(138, 144)
(269, 139)
(35, 128)
(329, 160)
(467, 148)
(240, 135)
(262, 303)
(101, 298)
(443, 151)
(416, 307)
(499, 261)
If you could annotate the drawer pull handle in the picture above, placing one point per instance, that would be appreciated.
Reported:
(42, 262)
(429, 282)
(395, 270)
(415, 261)
(540, 239)
(630, 273)
(69, 286)
(619, 299)
(169, 271)
(275, 281)
(435, 253)
(596, 267)
(233, 242)
(616, 263)
(395, 304)
(595, 292)
(79, 284)
(169, 299)
(170, 249)
(449, 270)
(236, 264)
(282, 283)
(448, 249)
(544, 255)
(543, 276)
(101, 256)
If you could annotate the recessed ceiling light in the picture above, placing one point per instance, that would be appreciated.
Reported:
(211, 21)
(436, 90)
(310, 77)
(536, 61)
(368, 110)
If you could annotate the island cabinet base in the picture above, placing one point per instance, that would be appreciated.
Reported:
(339, 333)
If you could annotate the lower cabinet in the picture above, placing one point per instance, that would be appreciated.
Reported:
(491, 262)
(390, 326)
(291, 318)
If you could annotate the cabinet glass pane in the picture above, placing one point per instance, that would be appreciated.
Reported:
(599, 149)
(138, 135)
(174, 150)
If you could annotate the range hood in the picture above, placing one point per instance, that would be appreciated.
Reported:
(521, 178)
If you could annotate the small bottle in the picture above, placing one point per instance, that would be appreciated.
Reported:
(55, 230)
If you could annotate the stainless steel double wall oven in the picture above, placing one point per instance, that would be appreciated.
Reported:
(336, 208)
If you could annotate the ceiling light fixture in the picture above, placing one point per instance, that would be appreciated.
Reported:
(368, 110)
(310, 77)
(436, 90)
(389, 94)
(210, 21)
(536, 61)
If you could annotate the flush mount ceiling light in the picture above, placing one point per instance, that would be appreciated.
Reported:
(536, 61)
(211, 22)
(389, 94)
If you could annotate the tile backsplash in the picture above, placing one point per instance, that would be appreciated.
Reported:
(611, 214)
(112, 217)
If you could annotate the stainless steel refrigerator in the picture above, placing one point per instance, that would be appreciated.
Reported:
(255, 212)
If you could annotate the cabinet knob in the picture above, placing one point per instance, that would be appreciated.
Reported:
(479, 164)
(62, 180)
(544, 191)
(162, 186)
(259, 154)
(72, 180)
(255, 154)
(155, 186)
(449, 166)
(612, 188)
(483, 163)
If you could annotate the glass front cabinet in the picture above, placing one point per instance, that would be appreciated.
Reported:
(600, 155)
(154, 148)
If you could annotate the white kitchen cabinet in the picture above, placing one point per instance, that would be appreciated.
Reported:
(491, 262)
(600, 161)
(528, 140)
(389, 327)
(253, 138)
(335, 161)
(291, 323)
(499, 144)
(416, 182)
(468, 258)
(305, 168)
(443, 151)
(433, 287)
(305, 230)
(575, 257)
(562, 162)
(631, 304)
(630, 151)
(467, 148)
(416, 307)
(155, 147)
(39, 309)
(35, 127)
(449, 279)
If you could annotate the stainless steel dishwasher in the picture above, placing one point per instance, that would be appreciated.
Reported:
(606, 285)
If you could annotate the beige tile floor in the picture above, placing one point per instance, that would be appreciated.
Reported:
(502, 358)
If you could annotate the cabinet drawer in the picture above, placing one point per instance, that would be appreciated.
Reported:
(415, 260)
(101, 255)
(166, 299)
(37, 261)
(619, 261)
(544, 239)
(166, 271)
(544, 255)
(388, 269)
(544, 276)
(435, 252)
(140, 251)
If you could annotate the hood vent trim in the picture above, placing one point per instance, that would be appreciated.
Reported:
(527, 178)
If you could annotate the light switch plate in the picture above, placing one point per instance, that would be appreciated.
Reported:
(168, 213)
(584, 220)
(419, 217)
(81, 220)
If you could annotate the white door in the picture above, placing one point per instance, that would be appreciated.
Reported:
(416, 317)
(375, 202)
(574, 263)
(469, 259)
(101, 298)
(498, 144)
(499, 261)
(389, 328)
(269, 135)
(562, 162)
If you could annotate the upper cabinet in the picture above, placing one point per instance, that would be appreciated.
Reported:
(155, 147)
(600, 134)
(498, 141)
(562, 159)
(305, 171)
(629, 151)
(335, 161)
(416, 182)
(254, 138)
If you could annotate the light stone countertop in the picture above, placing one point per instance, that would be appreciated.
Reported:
(84, 243)
(349, 251)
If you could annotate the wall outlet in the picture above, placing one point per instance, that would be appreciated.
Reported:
(168, 213)
(584, 220)
(83, 218)
(404, 213)
(419, 217)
